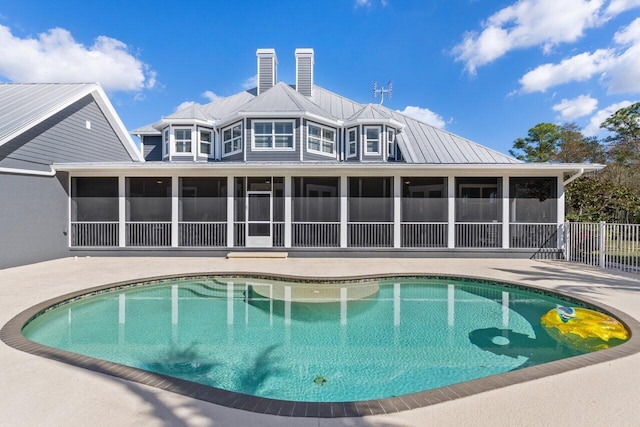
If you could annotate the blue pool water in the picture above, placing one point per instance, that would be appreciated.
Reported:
(408, 335)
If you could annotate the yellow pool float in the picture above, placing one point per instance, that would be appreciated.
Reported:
(583, 329)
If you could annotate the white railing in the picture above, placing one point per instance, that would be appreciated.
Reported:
(315, 234)
(533, 236)
(424, 234)
(94, 234)
(202, 234)
(478, 235)
(614, 246)
(239, 230)
(370, 234)
(277, 233)
(146, 233)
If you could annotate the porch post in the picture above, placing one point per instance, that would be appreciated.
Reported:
(451, 213)
(561, 212)
(397, 194)
(505, 212)
(343, 211)
(287, 211)
(230, 211)
(122, 211)
(175, 200)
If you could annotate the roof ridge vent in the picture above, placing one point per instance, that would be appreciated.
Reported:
(304, 71)
(267, 69)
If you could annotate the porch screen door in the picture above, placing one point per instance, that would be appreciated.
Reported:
(259, 218)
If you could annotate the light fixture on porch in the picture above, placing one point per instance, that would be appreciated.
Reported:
(159, 181)
(407, 181)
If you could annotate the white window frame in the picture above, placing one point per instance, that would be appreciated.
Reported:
(350, 143)
(176, 140)
(321, 140)
(166, 141)
(366, 140)
(210, 142)
(273, 135)
(233, 139)
(392, 147)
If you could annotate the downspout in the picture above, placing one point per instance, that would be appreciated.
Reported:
(574, 177)
(50, 173)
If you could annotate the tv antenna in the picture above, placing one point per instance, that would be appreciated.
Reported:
(382, 91)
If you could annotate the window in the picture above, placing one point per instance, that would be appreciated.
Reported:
(372, 140)
(273, 135)
(352, 141)
(183, 140)
(205, 142)
(391, 143)
(167, 136)
(321, 139)
(232, 140)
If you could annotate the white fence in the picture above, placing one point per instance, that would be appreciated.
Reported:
(614, 246)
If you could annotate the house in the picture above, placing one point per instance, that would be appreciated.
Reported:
(290, 167)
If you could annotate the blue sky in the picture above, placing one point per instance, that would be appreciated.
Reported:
(485, 70)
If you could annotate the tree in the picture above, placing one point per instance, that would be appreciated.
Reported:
(540, 145)
(574, 147)
(594, 199)
(624, 145)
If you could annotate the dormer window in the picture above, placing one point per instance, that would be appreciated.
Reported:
(391, 143)
(352, 142)
(372, 139)
(232, 139)
(273, 134)
(205, 142)
(321, 139)
(166, 136)
(182, 138)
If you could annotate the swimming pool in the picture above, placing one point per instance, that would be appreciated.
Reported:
(311, 342)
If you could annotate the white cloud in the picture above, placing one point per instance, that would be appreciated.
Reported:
(211, 96)
(576, 68)
(619, 68)
(528, 23)
(424, 115)
(571, 109)
(185, 104)
(55, 57)
(250, 82)
(593, 128)
(361, 3)
(208, 94)
(618, 6)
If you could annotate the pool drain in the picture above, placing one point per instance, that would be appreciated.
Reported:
(320, 380)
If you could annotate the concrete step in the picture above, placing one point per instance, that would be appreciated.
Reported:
(280, 255)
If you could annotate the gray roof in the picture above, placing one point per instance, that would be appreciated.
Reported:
(283, 99)
(419, 142)
(24, 104)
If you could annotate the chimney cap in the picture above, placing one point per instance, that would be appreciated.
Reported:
(266, 52)
(304, 51)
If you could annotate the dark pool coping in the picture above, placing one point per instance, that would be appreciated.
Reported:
(11, 334)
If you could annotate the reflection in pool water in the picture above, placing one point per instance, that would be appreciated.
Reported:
(310, 342)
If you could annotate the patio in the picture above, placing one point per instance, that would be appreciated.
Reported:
(38, 391)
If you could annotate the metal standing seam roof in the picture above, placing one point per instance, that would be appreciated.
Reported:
(24, 104)
(419, 142)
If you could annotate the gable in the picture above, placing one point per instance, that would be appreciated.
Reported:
(66, 138)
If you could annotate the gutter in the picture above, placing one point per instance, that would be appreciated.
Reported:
(50, 173)
(574, 177)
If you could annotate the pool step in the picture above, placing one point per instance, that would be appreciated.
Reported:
(281, 255)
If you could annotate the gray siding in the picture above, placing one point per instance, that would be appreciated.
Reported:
(273, 155)
(34, 212)
(152, 148)
(63, 138)
(305, 70)
(266, 73)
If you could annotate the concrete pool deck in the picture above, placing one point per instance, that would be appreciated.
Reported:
(39, 391)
